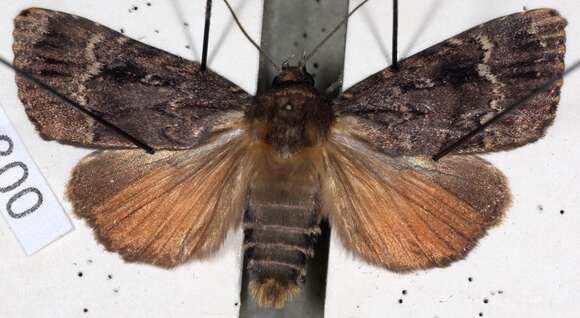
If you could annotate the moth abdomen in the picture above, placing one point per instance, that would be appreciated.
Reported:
(266, 257)
(276, 262)
(280, 226)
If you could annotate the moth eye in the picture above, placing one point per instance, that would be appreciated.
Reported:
(288, 107)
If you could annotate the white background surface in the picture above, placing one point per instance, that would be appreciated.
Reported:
(532, 257)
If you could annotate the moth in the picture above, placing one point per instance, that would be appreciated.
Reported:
(278, 163)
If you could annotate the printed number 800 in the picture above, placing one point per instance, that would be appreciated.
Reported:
(8, 188)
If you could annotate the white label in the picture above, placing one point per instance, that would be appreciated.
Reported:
(27, 203)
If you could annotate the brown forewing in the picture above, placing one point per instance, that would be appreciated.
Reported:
(409, 213)
(446, 91)
(161, 98)
(166, 208)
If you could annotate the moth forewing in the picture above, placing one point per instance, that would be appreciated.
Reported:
(165, 100)
(449, 89)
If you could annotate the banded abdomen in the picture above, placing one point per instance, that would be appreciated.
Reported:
(280, 227)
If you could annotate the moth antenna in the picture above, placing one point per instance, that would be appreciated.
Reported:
(136, 141)
(286, 62)
(395, 34)
(329, 35)
(461, 141)
(206, 35)
(262, 52)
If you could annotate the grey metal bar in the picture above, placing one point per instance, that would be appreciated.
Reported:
(289, 29)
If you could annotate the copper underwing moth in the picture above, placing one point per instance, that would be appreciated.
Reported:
(277, 163)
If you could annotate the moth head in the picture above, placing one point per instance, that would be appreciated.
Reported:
(293, 75)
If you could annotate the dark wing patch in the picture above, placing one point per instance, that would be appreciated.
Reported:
(448, 90)
(161, 98)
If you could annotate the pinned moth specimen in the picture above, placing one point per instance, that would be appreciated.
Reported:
(278, 163)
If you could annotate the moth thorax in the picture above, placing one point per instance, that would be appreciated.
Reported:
(291, 117)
